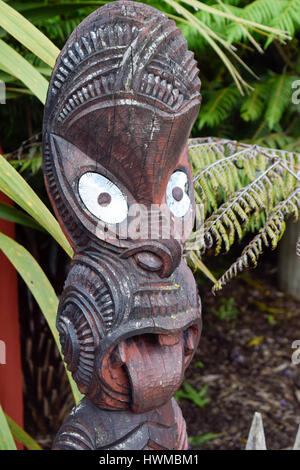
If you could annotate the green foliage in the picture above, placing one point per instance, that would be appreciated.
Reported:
(16, 65)
(11, 431)
(217, 106)
(242, 188)
(227, 309)
(39, 286)
(271, 320)
(21, 436)
(266, 115)
(199, 364)
(197, 441)
(15, 187)
(198, 397)
(15, 215)
(57, 21)
(267, 102)
(31, 164)
(6, 439)
(253, 106)
(22, 30)
(200, 266)
(268, 236)
(279, 97)
(287, 17)
(280, 14)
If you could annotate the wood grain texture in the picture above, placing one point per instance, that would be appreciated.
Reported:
(289, 261)
(122, 100)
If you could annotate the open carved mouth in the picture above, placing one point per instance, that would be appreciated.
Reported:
(146, 369)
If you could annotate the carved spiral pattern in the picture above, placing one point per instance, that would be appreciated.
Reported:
(86, 313)
(78, 346)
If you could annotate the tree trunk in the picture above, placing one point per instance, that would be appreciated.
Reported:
(289, 262)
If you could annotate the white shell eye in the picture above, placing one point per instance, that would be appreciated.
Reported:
(102, 198)
(176, 194)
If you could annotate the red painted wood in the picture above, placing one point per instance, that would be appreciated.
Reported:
(11, 386)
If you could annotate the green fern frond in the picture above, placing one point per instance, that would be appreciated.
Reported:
(254, 104)
(260, 11)
(268, 236)
(242, 204)
(263, 10)
(222, 167)
(239, 188)
(232, 2)
(289, 17)
(275, 140)
(217, 23)
(280, 97)
(276, 13)
(195, 41)
(60, 28)
(210, 152)
(218, 106)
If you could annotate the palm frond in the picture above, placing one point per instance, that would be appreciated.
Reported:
(22, 30)
(16, 65)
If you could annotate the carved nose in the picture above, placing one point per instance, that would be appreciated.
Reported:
(159, 256)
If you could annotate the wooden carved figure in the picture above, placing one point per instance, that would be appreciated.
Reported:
(122, 100)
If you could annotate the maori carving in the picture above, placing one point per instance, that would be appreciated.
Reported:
(122, 100)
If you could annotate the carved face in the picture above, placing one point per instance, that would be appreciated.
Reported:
(122, 100)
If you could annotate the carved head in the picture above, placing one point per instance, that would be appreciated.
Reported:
(122, 100)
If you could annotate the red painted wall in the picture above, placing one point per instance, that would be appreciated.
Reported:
(11, 384)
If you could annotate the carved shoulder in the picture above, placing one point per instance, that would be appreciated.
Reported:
(89, 428)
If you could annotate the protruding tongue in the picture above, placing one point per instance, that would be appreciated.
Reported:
(155, 366)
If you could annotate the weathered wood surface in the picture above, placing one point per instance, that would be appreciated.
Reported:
(289, 261)
(297, 441)
(122, 100)
(256, 439)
